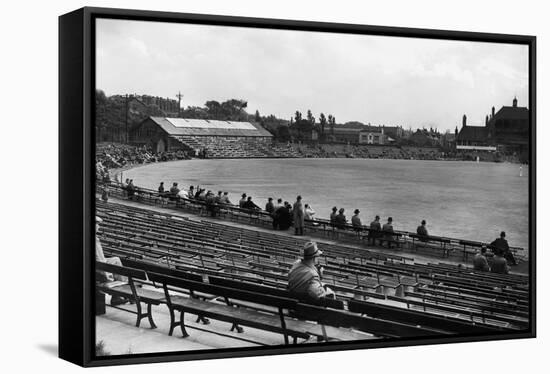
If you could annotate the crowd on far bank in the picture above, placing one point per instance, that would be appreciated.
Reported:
(285, 215)
(116, 155)
(401, 152)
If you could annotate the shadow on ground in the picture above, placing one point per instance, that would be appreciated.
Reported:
(50, 349)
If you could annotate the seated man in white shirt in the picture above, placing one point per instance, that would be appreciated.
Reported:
(100, 256)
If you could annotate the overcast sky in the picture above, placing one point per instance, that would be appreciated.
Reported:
(381, 80)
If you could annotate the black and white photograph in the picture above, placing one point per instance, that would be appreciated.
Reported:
(268, 187)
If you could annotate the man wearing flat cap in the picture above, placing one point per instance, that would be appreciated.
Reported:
(304, 278)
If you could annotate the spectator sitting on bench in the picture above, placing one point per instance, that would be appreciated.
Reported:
(499, 264)
(211, 205)
(309, 213)
(100, 256)
(125, 186)
(242, 201)
(388, 229)
(182, 194)
(218, 198)
(341, 219)
(174, 190)
(225, 199)
(304, 278)
(283, 217)
(191, 192)
(502, 245)
(422, 231)
(374, 230)
(480, 261)
(202, 195)
(105, 193)
(249, 204)
(131, 189)
(356, 221)
(198, 193)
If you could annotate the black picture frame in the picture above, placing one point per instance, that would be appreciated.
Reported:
(76, 180)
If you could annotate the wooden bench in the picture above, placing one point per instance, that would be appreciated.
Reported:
(392, 313)
(322, 332)
(469, 244)
(425, 240)
(129, 290)
(448, 305)
(228, 313)
(377, 327)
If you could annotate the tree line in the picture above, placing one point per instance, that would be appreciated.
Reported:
(117, 115)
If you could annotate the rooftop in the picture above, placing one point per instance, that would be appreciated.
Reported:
(203, 127)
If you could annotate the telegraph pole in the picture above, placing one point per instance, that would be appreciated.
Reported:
(179, 96)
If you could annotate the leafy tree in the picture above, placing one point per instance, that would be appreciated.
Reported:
(283, 133)
(310, 117)
(214, 109)
(322, 123)
(331, 122)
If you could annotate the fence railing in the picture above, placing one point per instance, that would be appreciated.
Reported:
(397, 239)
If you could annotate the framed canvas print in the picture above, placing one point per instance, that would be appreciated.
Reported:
(237, 186)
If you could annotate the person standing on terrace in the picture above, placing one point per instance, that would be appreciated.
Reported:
(388, 230)
(304, 278)
(502, 245)
(270, 207)
(298, 215)
(333, 216)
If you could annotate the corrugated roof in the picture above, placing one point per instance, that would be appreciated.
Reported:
(198, 127)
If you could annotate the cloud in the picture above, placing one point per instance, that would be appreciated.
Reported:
(139, 46)
(374, 79)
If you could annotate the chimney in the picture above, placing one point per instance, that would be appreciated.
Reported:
(492, 112)
(486, 120)
(515, 102)
(464, 120)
